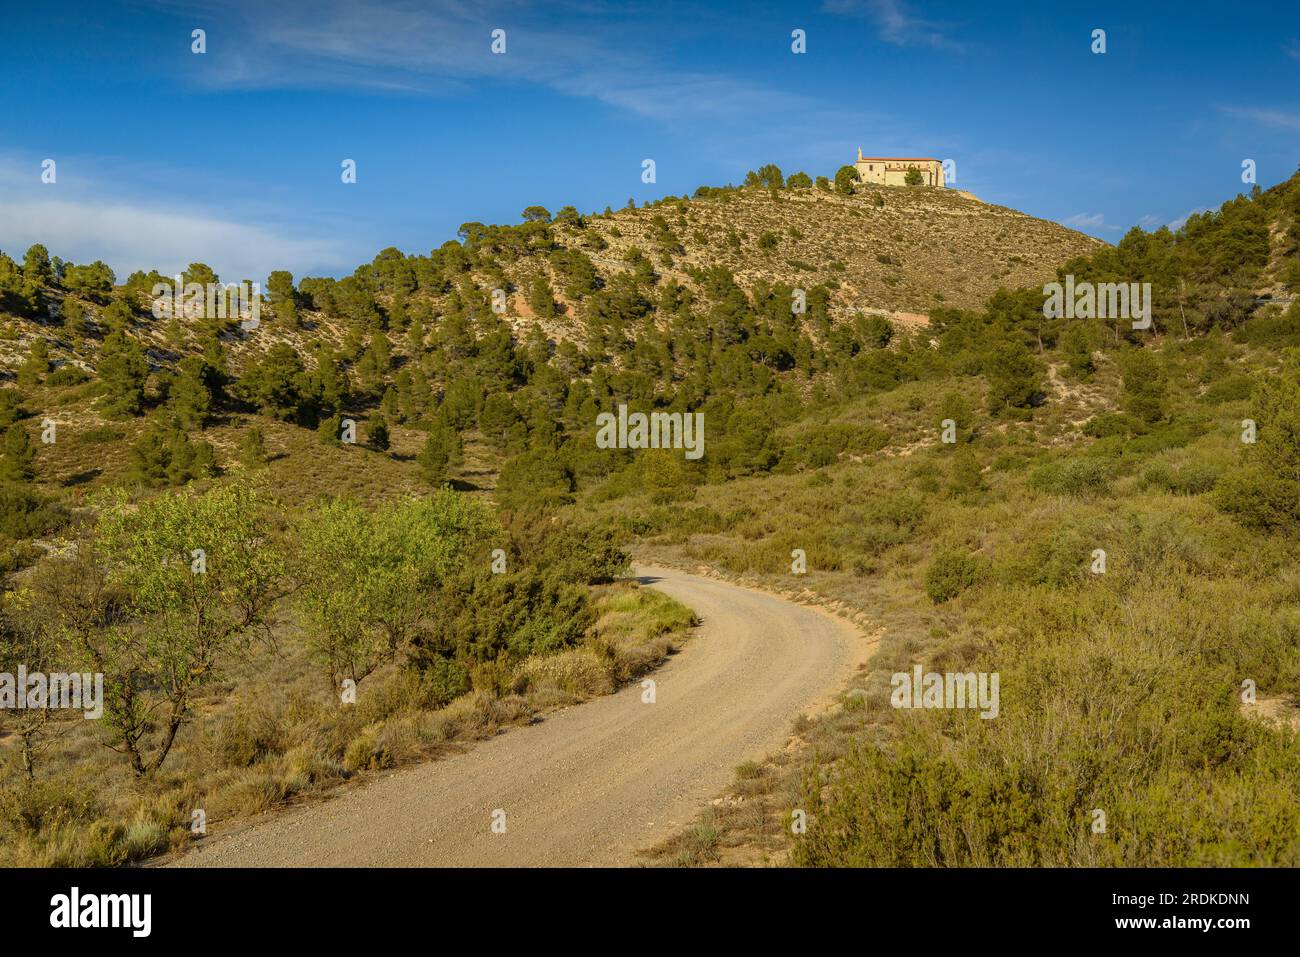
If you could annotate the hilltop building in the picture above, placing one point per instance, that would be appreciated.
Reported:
(892, 170)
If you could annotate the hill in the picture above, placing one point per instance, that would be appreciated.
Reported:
(949, 480)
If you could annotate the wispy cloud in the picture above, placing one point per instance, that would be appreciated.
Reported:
(1292, 49)
(1181, 221)
(443, 48)
(1277, 119)
(1149, 221)
(1091, 221)
(896, 23)
(89, 220)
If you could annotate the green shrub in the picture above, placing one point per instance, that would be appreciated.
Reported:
(446, 679)
(1230, 389)
(1191, 478)
(1076, 476)
(67, 375)
(24, 513)
(950, 574)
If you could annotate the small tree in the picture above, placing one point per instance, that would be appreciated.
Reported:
(330, 430)
(37, 364)
(1144, 389)
(540, 298)
(28, 640)
(197, 577)
(913, 177)
(190, 399)
(18, 455)
(11, 407)
(442, 450)
(282, 295)
(123, 370)
(367, 578)
(277, 385)
(1264, 491)
(846, 180)
(377, 433)
(164, 455)
(252, 449)
(74, 319)
(36, 266)
(118, 316)
(1015, 377)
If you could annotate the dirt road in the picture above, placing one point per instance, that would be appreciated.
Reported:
(591, 784)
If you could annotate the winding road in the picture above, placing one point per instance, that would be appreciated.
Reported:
(591, 784)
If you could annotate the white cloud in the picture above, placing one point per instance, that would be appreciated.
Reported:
(671, 97)
(87, 221)
(442, 47)
(1278, 119)
(1149, 221)
(1181, 221)
(896, 24)
(1090, 221)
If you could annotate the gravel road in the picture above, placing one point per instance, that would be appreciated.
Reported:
(591, 784)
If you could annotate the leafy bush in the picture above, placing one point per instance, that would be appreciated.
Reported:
(24, 513)
(1192, 478)
(950, 574)
(67, 375)
(1080, 476)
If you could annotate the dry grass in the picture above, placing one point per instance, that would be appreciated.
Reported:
(272, 734)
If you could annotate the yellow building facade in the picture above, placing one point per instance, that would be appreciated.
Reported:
(892, 170)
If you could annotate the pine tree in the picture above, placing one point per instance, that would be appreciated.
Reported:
(74, 319)
(190, 399)
(123, 370)
(377, 433)
(279, 287)
(37, 364)
(540, 298)
(252, 449)
(164, 455)
(442, 449)
(148, 458)
(118, 316)
(17, 455)
(415, 338)
(276, 384)
(375, 363)
(175, 333)
(330, 430)
(11, 407)
(36, 266)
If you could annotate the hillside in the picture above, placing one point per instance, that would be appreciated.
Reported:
(892, 250)
(948, 480)
(893, 253)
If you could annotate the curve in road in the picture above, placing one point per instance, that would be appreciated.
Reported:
(591, 784)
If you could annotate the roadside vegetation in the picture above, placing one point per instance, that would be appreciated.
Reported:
(303, 655)
(1158, 688)
(392, 490)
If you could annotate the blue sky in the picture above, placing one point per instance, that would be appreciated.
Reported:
(233, 156)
